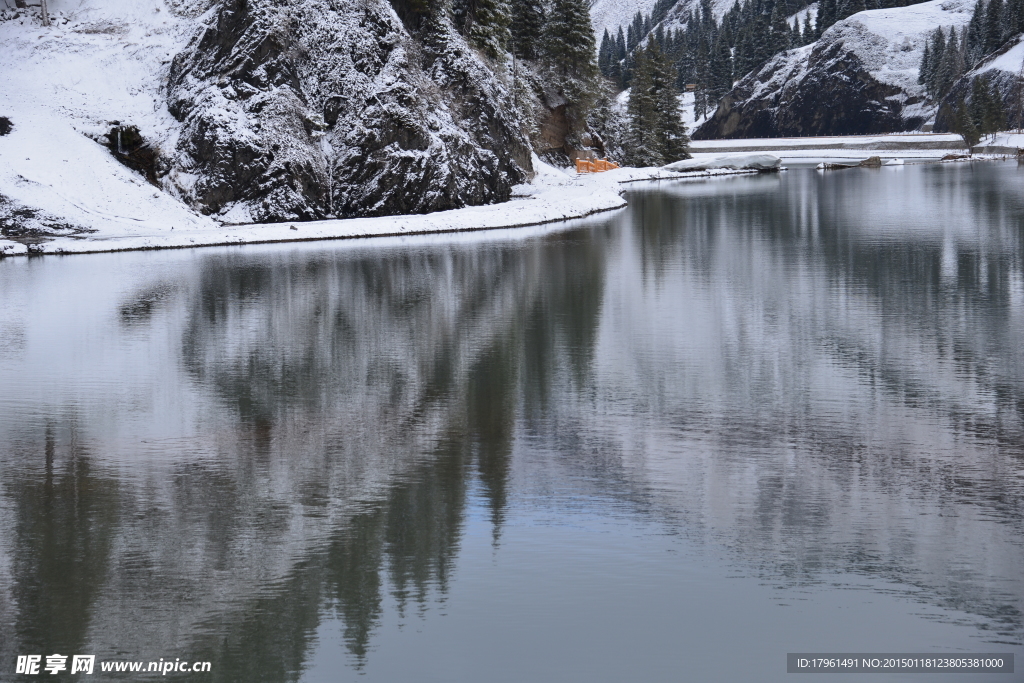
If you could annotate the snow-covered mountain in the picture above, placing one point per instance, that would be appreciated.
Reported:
(244, 111)
(610, 15)
(1003, 70)
(861, 76)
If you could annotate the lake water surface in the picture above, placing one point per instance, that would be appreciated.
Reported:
(742, 417)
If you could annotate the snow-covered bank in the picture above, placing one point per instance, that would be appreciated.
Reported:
(552, 196)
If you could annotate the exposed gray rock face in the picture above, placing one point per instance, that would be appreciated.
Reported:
(317, 108)
(827, 91)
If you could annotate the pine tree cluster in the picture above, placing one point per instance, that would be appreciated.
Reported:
(557, 34)
(554, 39)
(950, 54)
(983, 115)
(656, 134)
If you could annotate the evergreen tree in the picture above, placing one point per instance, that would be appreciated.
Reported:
(569, 42)
(826, 15)
(604, 54)
(488, 25)
(527, 28)
(976, 34)
(721, 70)
(947, 68)
(780, 33)
(674, 142)
(980, 105)
(636, 32)
(987, 111)
(935, 61)
(656, 132)
(701, 80)
(641, 142)
(925, 69)
(964, 126)
(569, 51)
(809, 35)
(993, 25)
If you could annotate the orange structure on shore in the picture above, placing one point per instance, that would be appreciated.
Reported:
(594, 165)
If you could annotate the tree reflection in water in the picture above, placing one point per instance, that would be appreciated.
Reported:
(799, 368)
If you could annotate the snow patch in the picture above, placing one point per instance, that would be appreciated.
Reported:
(754, 162)
(1011, 61)
(890, 42)
(798, 19)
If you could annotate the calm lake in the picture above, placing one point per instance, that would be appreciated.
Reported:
(741, 418)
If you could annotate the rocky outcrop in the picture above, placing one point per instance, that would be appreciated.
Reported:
(831, 93)
(307, 110)
(859, 78)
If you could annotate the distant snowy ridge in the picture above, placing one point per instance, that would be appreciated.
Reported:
(611, 14)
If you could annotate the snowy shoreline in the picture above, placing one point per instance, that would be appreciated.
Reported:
(554, 196)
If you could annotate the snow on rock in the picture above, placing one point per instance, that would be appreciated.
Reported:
(322, 108)
(754, 162)
(859, 78)
(247, 111)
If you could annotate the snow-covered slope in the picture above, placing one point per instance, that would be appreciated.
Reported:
(860, 77)
(63, 87)
(611, 14)
(890, 42)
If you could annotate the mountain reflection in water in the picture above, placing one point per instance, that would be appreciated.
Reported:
(214, 454)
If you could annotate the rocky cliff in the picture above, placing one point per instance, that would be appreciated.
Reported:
(312, 109)
(241, 111)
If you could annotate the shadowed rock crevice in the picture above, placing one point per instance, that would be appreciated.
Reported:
(128, 146)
